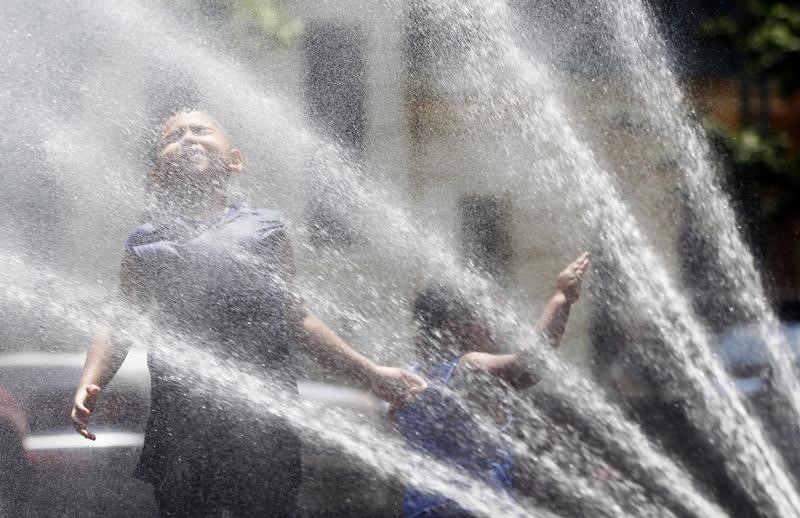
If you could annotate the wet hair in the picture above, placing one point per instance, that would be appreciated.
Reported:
(187, 109)
(434, 305)
(438, 303)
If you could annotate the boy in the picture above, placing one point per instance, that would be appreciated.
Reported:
(457, 353)
(222, 275)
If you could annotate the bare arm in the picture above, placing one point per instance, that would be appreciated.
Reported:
(103, 358)
(514, 368)
(330, 351)
(333, 353)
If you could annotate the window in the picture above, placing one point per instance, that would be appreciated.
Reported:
(485, 238)
(335, 81)
(335, 90)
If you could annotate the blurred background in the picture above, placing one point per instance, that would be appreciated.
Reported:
(82, 94)
(362, 77)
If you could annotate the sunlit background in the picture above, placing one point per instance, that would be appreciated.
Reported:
(390, 94)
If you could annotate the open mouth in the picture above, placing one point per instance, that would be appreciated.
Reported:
(192, 153)
(190, 157)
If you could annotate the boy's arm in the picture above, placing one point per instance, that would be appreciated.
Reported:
(103, 358)
(513, 368)
(332, 352)
(326, 347)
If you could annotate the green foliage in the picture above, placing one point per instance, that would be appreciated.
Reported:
(764, 173)
(753, 148)
(271, 18)
(767, 35)
(253, 26)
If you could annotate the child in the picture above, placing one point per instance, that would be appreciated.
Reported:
(456, 353)
(195, 259)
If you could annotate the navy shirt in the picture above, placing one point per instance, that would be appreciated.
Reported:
(222, 286)
(438, 424)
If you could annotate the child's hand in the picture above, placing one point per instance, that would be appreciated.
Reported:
(82, 408)
(396, 385)
(569, 281)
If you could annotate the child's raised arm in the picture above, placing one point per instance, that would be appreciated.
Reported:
(513, 368)
(568, 289)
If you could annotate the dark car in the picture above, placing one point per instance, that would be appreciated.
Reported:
(745, 358)
(14, 473)
(49, 470)
(57, 472)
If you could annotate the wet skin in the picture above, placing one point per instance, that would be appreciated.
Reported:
(194, 153)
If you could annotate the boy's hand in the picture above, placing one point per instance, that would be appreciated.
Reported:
(82, 409)
(395, 385)
(569, 281)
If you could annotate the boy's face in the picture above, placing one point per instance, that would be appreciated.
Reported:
(193, 149)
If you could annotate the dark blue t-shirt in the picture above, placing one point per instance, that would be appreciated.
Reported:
(440, 425)
(220, 285)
